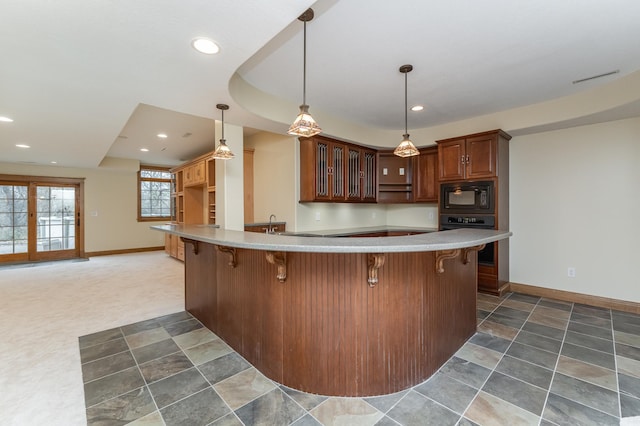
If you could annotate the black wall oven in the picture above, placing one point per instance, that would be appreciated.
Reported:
(486, 256)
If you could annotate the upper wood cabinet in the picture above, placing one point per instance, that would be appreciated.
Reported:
(195, 174)
(471, 157)
(331, 170)
(361, 174)
(425, 176)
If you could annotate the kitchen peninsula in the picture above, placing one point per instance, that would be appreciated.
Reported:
(336, 316)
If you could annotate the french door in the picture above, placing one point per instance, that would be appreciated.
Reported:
(40, 218)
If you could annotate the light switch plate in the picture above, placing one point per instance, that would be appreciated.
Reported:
(401, 171)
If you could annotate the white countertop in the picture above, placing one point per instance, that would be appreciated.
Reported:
(433, 241)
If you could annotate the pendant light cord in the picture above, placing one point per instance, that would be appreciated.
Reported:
(222, 111)
(405, 103)
(304, 64)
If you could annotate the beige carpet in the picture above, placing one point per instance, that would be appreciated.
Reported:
(43, 310)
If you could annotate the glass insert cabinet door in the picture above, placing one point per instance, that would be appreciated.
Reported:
(38, 222)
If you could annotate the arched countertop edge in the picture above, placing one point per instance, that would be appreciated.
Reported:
(433, 241)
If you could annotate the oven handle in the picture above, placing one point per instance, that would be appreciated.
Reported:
(452, 227)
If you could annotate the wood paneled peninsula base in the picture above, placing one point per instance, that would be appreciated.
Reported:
(336, 316)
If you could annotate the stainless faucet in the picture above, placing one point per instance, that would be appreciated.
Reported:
(270, 228)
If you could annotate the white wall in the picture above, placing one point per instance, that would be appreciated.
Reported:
(422, 215)
(112, 194)
(575, 202)
(325, 216)
(230, 181)
(274, 177)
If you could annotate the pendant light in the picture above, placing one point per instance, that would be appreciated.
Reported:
(406, 147)
(222, 152)
(304, 125)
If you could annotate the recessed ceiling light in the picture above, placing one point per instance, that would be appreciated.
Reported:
(54, 162)
(21, 145)
(6, 119)
(162, 135)
(205, 45)
(417, 108)
(144, 150)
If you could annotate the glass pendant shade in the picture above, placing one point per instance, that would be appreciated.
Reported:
(304, 125)
(222, 152)
(406, 148)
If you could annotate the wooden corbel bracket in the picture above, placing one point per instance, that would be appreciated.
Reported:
(192, 242)
(231, 251)
(466, 251)
(442, 255)
(375, 262)
(279, 259)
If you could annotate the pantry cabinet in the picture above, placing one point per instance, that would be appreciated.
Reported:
(193, 198)
(482, 157)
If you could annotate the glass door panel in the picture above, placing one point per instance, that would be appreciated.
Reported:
(56, 218)
(14, 233)
(40, 218)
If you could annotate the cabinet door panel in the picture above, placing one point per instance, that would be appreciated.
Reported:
(451, 158)
(480, 156)
(199, 172)
(426, 176)
(354, 174)
(322, 170)
(369, 173)
(338, 170)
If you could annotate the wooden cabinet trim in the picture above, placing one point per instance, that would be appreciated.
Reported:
(464, 158)
(333, 174)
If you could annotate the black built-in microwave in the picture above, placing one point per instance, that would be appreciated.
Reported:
(467, 197)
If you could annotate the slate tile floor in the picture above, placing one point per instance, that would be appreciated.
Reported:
(533, 361)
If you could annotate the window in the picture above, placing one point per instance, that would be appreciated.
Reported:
(154, 193)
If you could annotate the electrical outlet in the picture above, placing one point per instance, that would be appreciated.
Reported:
(430, 215)
(317, 215)
(571, 272)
